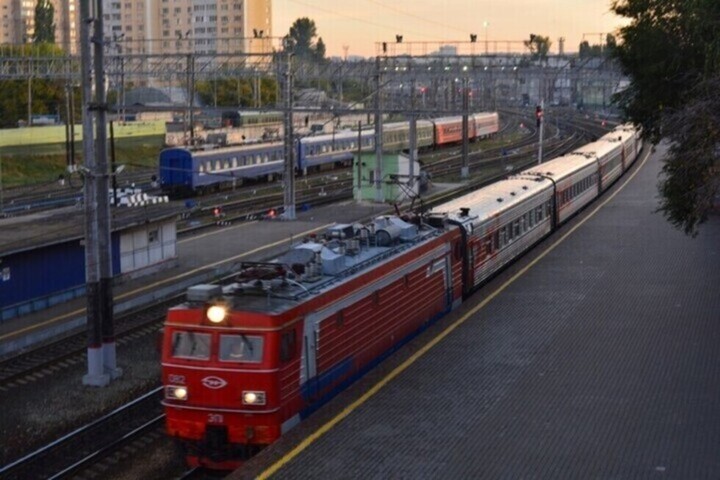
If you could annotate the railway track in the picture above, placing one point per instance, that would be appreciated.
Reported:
(87, 446)
(50, 357)
(33, 365)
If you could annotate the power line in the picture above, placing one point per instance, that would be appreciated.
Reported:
(407, 14)
(357, 19)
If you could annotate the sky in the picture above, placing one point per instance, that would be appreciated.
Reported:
(362, 24)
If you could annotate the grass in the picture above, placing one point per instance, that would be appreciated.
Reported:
(23, 137)
(41, 163)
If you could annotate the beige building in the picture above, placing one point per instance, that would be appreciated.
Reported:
(153, 26)
(17, 22)
(199, 26)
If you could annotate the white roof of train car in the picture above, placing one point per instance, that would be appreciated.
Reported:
(484, 203)
(561, 167)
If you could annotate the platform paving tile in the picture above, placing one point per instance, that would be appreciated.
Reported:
(600, 362)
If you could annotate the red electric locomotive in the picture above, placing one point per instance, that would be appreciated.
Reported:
(244, 362)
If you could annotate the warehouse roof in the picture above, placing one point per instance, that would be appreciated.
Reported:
(28, 232)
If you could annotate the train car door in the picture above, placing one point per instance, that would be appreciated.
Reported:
(308, 362)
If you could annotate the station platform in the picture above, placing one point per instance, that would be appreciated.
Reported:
(201, 257)
(594, 356)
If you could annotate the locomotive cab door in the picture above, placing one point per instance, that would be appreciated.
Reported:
(308, 362)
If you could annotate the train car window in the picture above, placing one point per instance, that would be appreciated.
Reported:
(191, 345)
(288, 343)
(218, 165)
(235, 162)
(241, 348)
(517, 228)
(531, 218)
(496, 240)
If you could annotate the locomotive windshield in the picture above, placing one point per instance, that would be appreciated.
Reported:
(191, 345)
(241, 348)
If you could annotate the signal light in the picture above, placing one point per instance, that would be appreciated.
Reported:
(217, 211)
(538, 114)
(271, 213)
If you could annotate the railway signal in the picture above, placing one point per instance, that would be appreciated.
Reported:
(539, 115)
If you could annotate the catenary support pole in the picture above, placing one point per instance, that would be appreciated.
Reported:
(96, 375)
(289, 177)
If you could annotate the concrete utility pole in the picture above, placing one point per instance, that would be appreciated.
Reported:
(190, 65)
(289, 179)
(412, 138)
(379, 197)
(98, 265)
(96, 375)
(103, 201)
(541, 126)
(465, 171)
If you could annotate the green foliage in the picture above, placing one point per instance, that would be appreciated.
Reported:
(671, 51)
(44, 22)
(42, 163)
(48, 96)
(589, 51)
(539, 46)
(301, 40)
(236, 92)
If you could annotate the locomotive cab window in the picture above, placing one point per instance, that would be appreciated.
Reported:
(191, 345)
(288, 345)
(241, 348)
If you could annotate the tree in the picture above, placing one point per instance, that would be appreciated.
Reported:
(44, 22)
(301, 40)
(539, 46)
(48, 96)
(320, 50)
(610, 45)
(671, 52)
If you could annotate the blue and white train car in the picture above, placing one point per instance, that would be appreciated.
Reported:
(339, 147)
(184, 171)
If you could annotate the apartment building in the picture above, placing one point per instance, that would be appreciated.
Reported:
(180, 26)
(17, 22)
(153, 26)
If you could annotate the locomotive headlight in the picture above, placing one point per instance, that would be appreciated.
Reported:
(216, 313)
(253, 398)
(173, 392)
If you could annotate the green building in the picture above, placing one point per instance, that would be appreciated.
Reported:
(395, 185)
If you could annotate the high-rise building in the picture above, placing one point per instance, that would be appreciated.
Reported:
(199, 26)
(17, 22)
(153, 26)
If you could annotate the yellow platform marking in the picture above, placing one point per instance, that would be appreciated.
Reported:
(407, 363)
(80, 311)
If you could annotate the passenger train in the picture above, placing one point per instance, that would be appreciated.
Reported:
(244, 362)
(185, 172)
